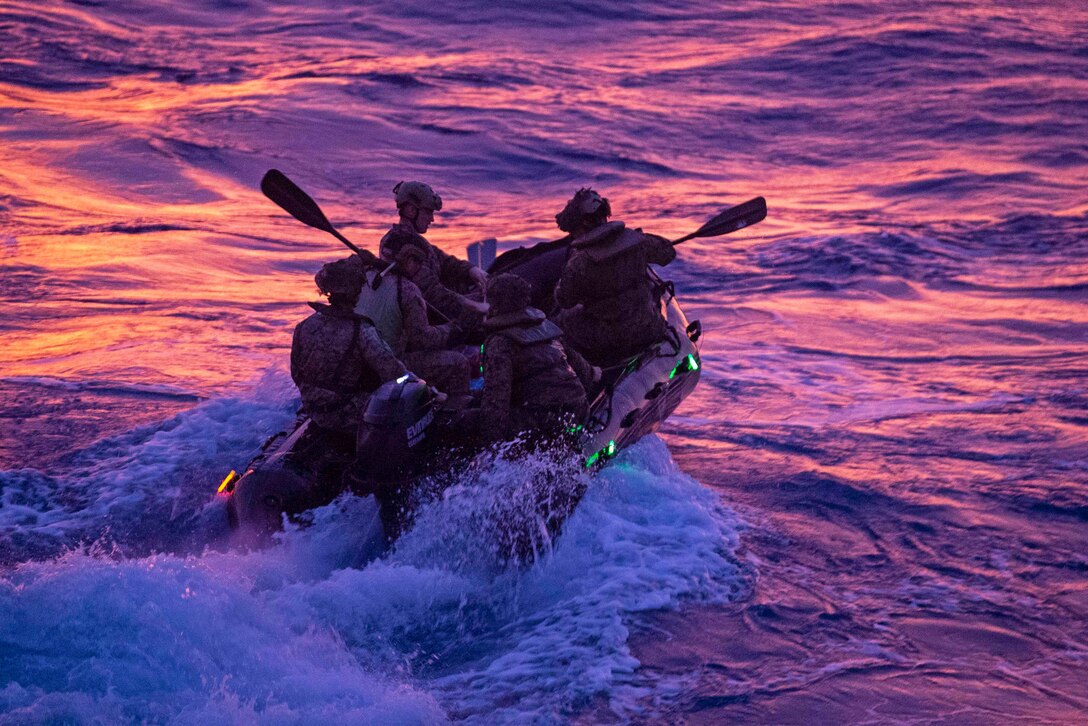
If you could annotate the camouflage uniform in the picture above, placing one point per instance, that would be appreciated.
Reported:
(529, 383)
(411, 336)
(609, 308)
(337, 361)
(440, 276)
(446, 370)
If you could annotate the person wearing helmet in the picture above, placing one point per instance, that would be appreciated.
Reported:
(609, 306)
(442, 277)
(393, 301)
(532, 381)
(337, 357)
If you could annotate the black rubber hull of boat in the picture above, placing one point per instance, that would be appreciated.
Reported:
(294, 473)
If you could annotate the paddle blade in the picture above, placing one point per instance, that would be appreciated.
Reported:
(487, 252)
(743, 215)
(284, 192)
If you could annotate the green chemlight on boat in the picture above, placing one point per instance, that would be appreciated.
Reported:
(686, 364)
(607, 453)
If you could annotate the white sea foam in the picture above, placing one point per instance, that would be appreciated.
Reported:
(146, 487)
(309, 630)
(86, 637)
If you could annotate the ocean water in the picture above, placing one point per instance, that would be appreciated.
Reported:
(872, 510)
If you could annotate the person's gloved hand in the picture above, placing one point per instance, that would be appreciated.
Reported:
(479, 278)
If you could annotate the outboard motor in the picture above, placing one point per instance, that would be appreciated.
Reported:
(394, 436)
(393, 444)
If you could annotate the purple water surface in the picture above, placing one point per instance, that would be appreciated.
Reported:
(872, 510)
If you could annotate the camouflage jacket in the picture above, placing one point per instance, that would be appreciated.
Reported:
(609, 308)
(440, 276)
(526, 368)
(337, 360)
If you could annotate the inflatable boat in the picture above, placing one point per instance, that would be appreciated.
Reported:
(408, 436)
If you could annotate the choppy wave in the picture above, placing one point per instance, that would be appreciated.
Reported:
(150, 390)
(893, 372)
(305, 630)
(141, 491)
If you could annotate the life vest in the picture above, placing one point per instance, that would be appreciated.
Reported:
(545, 332)
(542, 356)
(608, 240)
(543, 376)
(379, 300)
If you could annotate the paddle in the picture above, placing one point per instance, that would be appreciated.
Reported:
(482, 253)
(730, 220)
(284, 192)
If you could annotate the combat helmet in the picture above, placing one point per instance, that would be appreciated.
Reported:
(507, 293)
(339, 278)
(585, 203)
(417, 193)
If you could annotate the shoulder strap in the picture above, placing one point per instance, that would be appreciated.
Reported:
(626, 240)
(357, 324)
(546, 331)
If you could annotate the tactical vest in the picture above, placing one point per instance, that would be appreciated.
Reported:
(541, 355)
(368, 378)
(608, 241)
(543, 376)
(328, 388)
(382, 305)
(525, 336)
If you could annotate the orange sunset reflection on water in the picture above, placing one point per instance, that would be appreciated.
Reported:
(887, 452)
(139, 243)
